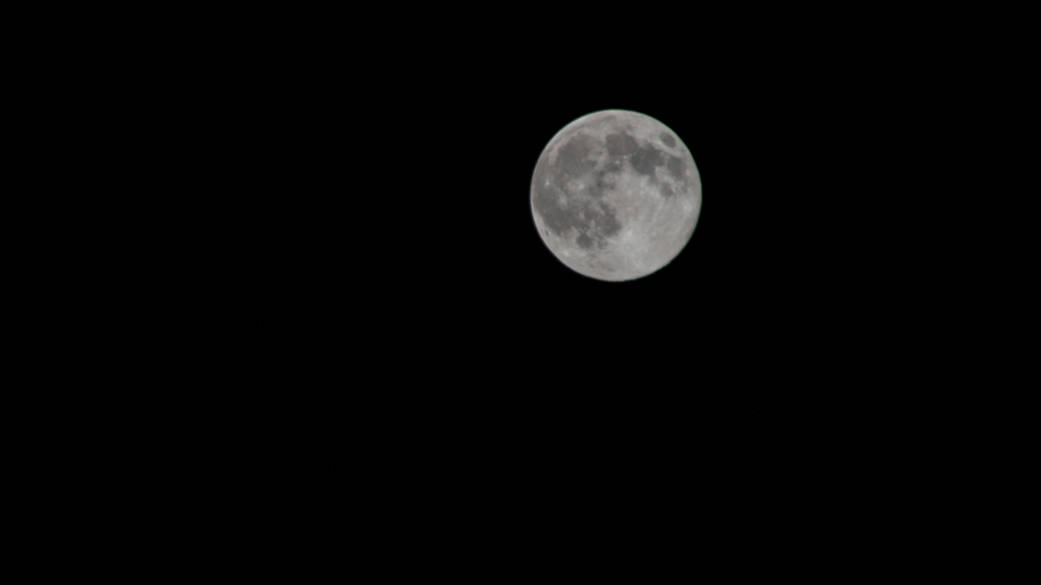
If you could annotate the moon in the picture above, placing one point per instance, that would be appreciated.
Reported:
(615, 195)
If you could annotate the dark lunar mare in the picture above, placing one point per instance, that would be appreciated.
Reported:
(560, 209)
(620, 144)
(572, 157)
(646, 159)
(547, 203)
(676, 167)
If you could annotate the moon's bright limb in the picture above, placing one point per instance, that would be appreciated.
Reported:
(615, 195)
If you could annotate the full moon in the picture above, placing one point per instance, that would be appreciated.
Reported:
(615, 195)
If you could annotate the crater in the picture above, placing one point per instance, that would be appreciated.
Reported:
(602, 182)
(599, 223)
(613, 165)
(607, 223)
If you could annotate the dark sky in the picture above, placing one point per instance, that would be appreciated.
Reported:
(377, 191)
(321, 243)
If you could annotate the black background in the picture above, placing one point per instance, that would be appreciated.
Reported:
(381, 190)
(327, 259)
(356, 222)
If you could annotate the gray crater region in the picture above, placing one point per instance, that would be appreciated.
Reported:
(615, 195)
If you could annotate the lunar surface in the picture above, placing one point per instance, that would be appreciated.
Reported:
(615, 195)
